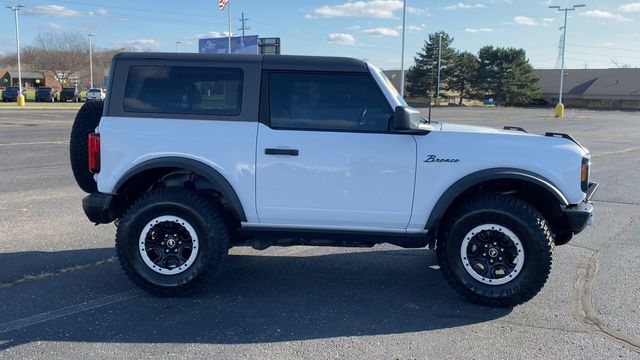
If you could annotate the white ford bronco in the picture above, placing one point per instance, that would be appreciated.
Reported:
(192, 154)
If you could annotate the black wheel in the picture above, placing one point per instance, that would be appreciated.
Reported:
(496, 250)
(170, 238)
(85, 123)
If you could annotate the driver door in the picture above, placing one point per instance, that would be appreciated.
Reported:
(326, 158)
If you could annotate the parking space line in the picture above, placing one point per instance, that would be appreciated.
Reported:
(635, 148)
(60, 142)
(66, 311)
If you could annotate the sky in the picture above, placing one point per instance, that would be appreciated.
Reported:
(603, 34)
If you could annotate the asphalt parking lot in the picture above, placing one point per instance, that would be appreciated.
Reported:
(62, 294)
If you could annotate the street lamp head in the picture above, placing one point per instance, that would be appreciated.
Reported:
(554, 7)
(15, 7)
(578, 6)
(90, 34)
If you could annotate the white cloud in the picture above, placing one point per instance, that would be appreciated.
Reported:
(142, 44)
(630, 7)
(523, 20)
(605, 15)
(463, 6)
(382, 31)
(471, 30)
(210, 34)
(341, 39)
(420, 27)
(381, 9)
(61, 11)
(51, 26)
(53, 10)
(548, 20)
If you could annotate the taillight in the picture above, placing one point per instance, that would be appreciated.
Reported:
(94, 153)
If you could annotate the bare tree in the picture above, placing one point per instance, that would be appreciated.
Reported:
(63, 54)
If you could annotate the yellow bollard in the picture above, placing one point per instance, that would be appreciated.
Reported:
(21, 101)
(559, 113)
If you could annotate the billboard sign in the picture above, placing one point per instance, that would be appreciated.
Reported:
(239, 45)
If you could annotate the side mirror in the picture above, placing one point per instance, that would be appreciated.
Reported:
(405, 119)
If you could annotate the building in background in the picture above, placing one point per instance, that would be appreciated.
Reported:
(220, 45)
(29, 78)
(240, 45)
(615, 89)
(269, 46)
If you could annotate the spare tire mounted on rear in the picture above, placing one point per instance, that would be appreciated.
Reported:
(85, 123)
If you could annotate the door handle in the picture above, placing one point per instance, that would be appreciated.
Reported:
(288, 152)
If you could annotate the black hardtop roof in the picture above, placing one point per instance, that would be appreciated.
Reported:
(270, 62)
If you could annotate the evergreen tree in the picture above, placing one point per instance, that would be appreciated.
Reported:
(463, 75)
(422, 76)
(506, 75)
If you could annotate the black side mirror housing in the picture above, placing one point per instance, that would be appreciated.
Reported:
(405, 119)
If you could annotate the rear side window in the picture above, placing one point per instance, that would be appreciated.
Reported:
(184, 90)
(327, 101)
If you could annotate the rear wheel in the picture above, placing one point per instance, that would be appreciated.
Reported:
(496, 250)
(170, 238)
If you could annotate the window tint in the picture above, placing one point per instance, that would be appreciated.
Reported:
(184, 90)
(327, 101)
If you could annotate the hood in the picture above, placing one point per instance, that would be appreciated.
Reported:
(472, 129)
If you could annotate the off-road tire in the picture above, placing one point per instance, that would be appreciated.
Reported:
(519, 217)
(85, 123)
(203, 214)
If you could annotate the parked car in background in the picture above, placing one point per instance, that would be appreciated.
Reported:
(45, 93)
(95, 94)
(10, 94)
(70, 94)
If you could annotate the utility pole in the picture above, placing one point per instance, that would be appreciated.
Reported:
(15, 9)
(439, 64)
(559, 113)
(404, 28)
(243, 20)
(178, 45)
(91, 59)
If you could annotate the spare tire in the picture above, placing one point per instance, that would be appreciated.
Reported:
(85, 123)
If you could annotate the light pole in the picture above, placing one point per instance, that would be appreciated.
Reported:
(404, 28)
(439, 66)
(178, 45)
(91, 59)
(560, 107)
(15, 9)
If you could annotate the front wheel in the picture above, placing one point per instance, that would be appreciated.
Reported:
(496, 250)
(170, 238)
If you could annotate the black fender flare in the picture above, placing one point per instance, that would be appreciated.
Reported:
(476, 178)
(217, 180)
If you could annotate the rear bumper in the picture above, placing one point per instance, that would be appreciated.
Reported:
(99, 207)
(581, 215)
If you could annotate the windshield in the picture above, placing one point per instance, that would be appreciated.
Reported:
(94, 90)
(68, 90)
(44, 89)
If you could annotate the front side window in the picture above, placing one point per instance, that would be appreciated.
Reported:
(184, 90)
(327, 101)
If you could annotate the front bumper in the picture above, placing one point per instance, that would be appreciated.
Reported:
(581, 215)
(99, 207)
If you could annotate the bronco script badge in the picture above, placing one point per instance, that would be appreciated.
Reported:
(434, 159)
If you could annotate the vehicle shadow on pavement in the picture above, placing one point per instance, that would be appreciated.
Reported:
(261, 299)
